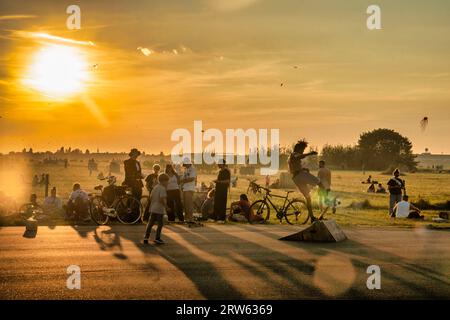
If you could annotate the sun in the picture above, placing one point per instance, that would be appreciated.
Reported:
(58, 71)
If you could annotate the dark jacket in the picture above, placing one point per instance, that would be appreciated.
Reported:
(133, 174)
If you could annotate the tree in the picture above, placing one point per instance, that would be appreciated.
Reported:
(342, 157)
(384, 148)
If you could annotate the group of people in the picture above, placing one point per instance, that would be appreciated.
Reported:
(173, 194)
(374, 186)
(76, 207)
(38, 181)
(399, 205)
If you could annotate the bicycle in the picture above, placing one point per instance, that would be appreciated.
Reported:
(31, 210)
(119, 204)
(290, 210)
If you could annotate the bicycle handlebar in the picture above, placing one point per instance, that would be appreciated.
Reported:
(267, 190)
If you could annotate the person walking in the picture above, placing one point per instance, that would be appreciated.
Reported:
(188, 182)
(150, 181)
(395, 187)
(174, 195)
(158, 208)
(220, 196)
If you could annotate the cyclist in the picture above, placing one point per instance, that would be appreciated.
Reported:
(301, 176)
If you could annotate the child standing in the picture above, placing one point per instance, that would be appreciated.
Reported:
(158, 207)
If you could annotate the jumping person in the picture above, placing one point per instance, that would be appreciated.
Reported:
(158, 207)
(395, 187)
(220, 197)
(301, 177)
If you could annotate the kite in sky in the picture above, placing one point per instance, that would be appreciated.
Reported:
(424, 123)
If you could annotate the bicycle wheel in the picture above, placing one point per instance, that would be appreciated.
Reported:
(128, 209)
(145, 201)
(296, 212)
(29, 210)
(97, 205)
(261, 208)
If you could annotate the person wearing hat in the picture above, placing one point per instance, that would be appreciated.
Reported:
(395, 187)
(188, 182)
(220, 197)
(133, 174)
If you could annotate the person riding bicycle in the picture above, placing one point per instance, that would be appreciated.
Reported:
(301, 176)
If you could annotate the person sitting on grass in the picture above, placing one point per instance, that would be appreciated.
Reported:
(208, 206)
(381, 189)
(405, 209)
(241, 211)
(158, 208)
(52, 203)
(78, 205)
(371, 188)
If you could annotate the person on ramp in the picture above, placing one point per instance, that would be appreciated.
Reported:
(301, 176)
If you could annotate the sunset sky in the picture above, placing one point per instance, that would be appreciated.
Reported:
(223, 62)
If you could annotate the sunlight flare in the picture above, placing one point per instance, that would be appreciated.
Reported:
(57, 71)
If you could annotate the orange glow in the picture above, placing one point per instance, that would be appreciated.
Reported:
(57, 71)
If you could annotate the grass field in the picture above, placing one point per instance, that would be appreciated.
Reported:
(15, 182)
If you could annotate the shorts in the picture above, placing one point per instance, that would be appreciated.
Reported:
(303, 180)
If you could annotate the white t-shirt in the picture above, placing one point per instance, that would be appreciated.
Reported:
(158, 193)
(79, 194)
(189, 173)
(403, 209)
(173, 183)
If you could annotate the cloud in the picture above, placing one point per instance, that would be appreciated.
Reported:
(145, 51)
(175, 51)
(46, 36)
(16, 17)
(230, 5)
